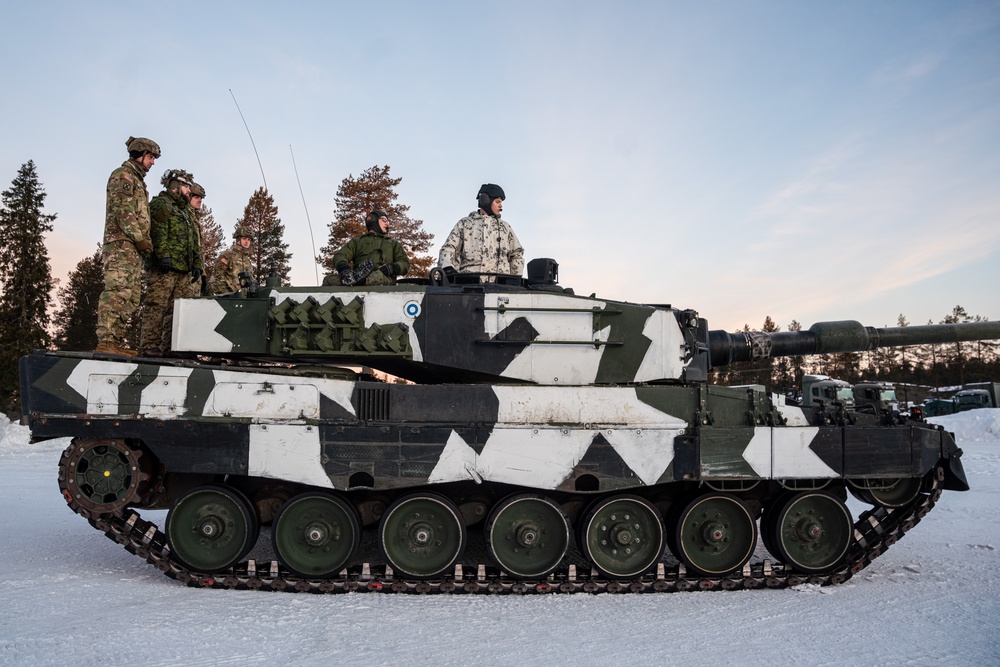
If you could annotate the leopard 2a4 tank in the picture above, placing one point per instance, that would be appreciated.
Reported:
(535, 441)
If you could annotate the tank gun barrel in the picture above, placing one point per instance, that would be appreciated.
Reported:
(837, 337)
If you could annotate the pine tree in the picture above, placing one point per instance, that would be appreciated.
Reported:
(212, 239)
(374, 190)
(25, 276)
(260, 220)
(76, 319)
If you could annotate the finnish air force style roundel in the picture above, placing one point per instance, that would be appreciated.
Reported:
(412, 309)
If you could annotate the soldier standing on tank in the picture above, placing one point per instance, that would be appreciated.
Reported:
(126, 242)
(231, 263)
(375, 244)
(197, 197)
(482, 242)
(177, 265)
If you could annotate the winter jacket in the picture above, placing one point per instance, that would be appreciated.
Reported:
(127, 216)
(381, 250)
(481, 243)
(175, 232)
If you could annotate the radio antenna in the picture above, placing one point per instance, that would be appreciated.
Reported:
(311, 237)
(251, 138)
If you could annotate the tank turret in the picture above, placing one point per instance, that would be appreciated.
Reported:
(529, 332)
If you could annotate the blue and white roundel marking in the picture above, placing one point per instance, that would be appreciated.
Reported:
(412, 309)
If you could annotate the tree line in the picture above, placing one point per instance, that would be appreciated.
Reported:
(26, 282)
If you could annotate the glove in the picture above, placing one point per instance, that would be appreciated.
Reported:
(166, 264)
(389, 270)
(245, 279)
(347, 277)
(196, 276)
(204, 285)
(144, 246)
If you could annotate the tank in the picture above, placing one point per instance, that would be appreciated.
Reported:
(526, 440)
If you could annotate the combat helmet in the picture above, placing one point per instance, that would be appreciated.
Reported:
(197, 190)
(142, 145)
(179, 175)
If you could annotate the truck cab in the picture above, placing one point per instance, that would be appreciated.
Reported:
(880, 395)
(820, 390)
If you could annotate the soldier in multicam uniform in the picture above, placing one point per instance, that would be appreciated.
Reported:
(231, 263)
(481, 242)
(126, 242)
(177, 263)
(387, 254)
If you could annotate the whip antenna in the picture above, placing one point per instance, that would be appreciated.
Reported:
(311, 237)
(251, 138)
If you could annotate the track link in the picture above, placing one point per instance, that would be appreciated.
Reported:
(875, 531)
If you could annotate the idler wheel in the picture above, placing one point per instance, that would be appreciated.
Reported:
(422, 535)
(102, 475)
(210, 528)
(528, 535)
(316, 534)
(715, 534)
(892, 493)
(812, 531)
(622, 536)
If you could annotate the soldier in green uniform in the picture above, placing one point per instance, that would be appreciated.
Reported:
(177, 264)
(387, 254)
(197, 197)
(126, 242)
(231, 263)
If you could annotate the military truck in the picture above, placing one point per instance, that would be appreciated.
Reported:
(543, 441)
(874, 395)
(823, 390)
(977, 395)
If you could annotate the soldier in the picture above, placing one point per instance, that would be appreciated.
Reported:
(386, 253)
(231, 263)
(197, 196)
(126, 242)
(177, 265)
(481, 242)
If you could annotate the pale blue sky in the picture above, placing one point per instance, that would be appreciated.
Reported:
(803, 160)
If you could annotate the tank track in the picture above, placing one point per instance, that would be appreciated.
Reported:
(875, 531)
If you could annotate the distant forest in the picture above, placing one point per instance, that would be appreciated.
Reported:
(930, 365)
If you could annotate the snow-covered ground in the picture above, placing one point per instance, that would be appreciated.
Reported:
(70, 596)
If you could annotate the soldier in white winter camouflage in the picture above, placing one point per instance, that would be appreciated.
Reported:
(482, 242)
(126, 242)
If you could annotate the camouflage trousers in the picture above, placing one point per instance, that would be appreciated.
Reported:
(374, 278)
(122, 290)
(158, 313)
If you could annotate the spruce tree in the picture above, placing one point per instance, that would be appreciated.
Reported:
(212, 239)
(25, 277)
(374, 190)
(76, 319)
(260, 220)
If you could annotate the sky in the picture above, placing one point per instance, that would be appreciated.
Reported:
(803, 161)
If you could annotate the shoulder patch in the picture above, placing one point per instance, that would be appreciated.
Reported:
(223, 260)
